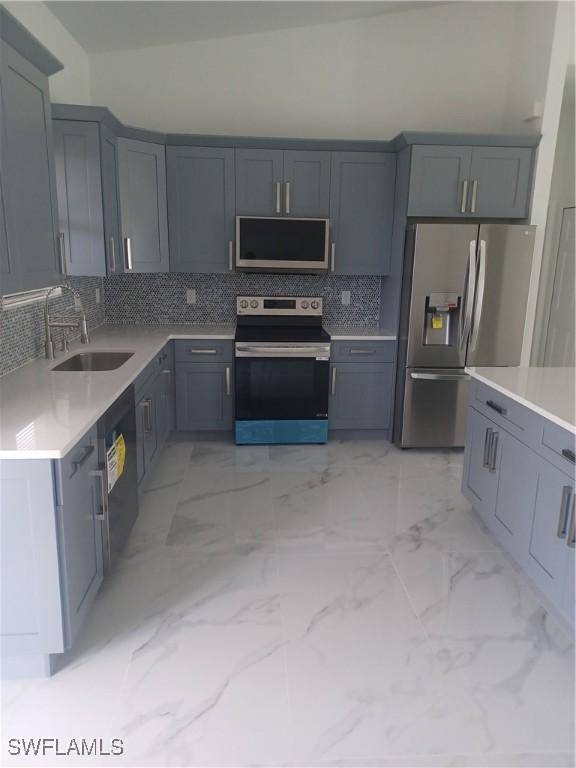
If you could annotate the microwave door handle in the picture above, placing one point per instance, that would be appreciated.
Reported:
(469, 285)
(479, 298)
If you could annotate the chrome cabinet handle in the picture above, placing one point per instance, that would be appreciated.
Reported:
(287, 197)
(230, 255)
(487, 447)
(112, 263)
(571, 540)
(278, 206)
(464, 196)
(564, 511)
(62, 252)
(333, 385)
(202, 351)
(494, 456)
(474, 194)
(89, 450)
(332, 257)
(147, 404)
(362, 351)
(128, 252)
(228, 385)
(569, 454)
(495, 407)
(479, 297)
(101, 475)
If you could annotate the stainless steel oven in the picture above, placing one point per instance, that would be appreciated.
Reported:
(281, 244)
(282, 371)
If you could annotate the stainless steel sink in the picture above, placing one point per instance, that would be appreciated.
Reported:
(94, 361)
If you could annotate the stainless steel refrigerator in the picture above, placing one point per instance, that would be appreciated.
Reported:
(464, 295)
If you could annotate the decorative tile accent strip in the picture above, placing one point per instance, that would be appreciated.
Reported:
(160, 298)
(22, 329)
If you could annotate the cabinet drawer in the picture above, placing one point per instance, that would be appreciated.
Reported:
(204, 350)
(559, 447)
(520, 421)
(363, 351)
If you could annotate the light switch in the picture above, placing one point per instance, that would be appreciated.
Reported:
(346, 298)
(191, 295)
(97, 295)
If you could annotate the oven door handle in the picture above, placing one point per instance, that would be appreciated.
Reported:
(320, 352)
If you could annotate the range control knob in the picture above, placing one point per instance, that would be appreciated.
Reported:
(315, 304)
(253, 303)
(244, 303)
(304, 304)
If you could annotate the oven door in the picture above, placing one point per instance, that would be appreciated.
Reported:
(281, 382)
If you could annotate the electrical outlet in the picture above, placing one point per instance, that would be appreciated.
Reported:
(97, 295)
(191, 295)
(346, 298)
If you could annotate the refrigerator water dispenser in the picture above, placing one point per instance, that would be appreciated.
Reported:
(442, 316)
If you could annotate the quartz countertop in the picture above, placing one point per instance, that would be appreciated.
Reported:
(547, 391)
(43, 413)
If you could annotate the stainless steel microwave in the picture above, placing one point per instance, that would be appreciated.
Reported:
(282, 244)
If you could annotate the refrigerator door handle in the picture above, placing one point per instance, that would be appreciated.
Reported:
(479, 299)
(439, 376)
(470, 283)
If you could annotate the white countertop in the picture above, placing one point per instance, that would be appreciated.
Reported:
(44, 413)
(547, 391)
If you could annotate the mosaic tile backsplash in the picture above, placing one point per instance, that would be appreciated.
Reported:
(22, 329)
(161, 298)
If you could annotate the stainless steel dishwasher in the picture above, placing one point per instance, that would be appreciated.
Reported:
(118, 475)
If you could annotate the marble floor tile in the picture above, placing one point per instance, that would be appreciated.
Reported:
(336, 605)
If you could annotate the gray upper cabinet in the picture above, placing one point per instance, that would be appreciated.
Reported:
(275, 182)
(470, 182)
(439, 181)
(142, 178)
(79, 189)
(30, 256)
(362, 212)
(500, 182)
(111, 200)
(201, 208)
(259, 182)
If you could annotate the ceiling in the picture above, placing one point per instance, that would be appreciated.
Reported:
(108, 25)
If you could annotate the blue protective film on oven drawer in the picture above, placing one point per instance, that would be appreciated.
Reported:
(281, 431)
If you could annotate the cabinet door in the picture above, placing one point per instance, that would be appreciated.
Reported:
(307, 184)
(568, 605)
(79, 189)
(517, 470)
(500, 182)
(111, 200)
(142, 169)
(362, 211)
(360, 395)
(259, 182)
(480, 481)
(79, 500)
(201, 208)
(31, 260)
(204, 397)
(548, 545)
(439, 181)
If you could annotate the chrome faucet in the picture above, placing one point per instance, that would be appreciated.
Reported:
(64, 321)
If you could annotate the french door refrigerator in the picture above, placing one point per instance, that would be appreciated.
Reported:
(464, 295)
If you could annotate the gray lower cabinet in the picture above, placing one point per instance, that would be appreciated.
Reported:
(362, 212)
(201, 208)
(142, 181)
(276, 182)
(30, 256)
(204, 396)
(111, 200)
(79, 189)
(51, 549)
(525, 499)
(360, 395)
(470, 182)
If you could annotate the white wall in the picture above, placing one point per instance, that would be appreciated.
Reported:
(72, 84)
(445, 67)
